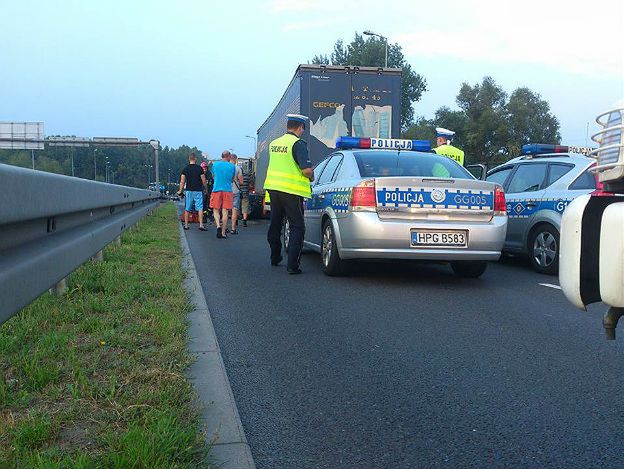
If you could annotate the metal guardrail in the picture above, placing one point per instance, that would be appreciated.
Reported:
(51, 224)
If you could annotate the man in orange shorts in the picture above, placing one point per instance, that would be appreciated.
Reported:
(221, 199)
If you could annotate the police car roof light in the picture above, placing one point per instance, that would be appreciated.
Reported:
(346, 142)
(352, 142)
(538, 148)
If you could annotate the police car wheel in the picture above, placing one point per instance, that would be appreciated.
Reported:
(469, 269)
(330, 258)
(544, 249)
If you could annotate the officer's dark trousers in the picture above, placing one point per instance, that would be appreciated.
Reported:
(291, 207)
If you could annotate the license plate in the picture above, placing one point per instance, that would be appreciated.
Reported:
(439, 238)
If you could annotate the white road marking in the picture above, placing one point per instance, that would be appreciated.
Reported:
(550, 285)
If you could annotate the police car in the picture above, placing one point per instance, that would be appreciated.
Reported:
(395, 199)
(539, 185)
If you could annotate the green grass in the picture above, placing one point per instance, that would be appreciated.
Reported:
(95, 378)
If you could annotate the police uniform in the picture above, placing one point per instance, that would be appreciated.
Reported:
(287, 187)
(449, 150)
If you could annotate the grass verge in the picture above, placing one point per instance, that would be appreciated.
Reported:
(95, 378)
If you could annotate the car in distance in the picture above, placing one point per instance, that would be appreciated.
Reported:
(538, 186)
(395, 199)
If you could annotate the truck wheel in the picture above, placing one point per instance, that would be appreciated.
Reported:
(330, 258)
(543, 244)
(469, 269)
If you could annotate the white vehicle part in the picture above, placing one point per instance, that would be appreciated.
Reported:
(570, 250)
(612, 255)
(610, 154)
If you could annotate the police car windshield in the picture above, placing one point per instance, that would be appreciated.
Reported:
(380, 163)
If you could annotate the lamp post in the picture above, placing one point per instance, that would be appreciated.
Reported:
(255, 143)
(95, 164)
(106, 163)
(148, 166)
(155, 144)
(370, 33)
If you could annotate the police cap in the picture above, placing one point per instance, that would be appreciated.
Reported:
(442, 132)
(297, 118)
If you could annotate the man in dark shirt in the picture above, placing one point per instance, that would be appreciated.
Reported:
(195, 180)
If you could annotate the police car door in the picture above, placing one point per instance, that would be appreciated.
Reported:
(311, 205)
(524, 191)
(320, 196)
(324, 191)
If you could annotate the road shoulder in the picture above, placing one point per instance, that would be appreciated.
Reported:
(220, 418)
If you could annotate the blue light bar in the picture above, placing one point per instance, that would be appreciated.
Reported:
(352, 142)
(383, 143)
(540, 148)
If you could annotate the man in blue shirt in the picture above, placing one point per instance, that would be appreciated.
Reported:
(222, 198)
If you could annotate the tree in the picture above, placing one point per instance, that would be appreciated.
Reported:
(486, 126)
(370, 52)
(489, 127)
(421, 129)
(529, 121)
(126, 162)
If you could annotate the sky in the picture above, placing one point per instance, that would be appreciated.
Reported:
(207, 73)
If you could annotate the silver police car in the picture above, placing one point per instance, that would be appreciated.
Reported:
(538, 187)
(380, 199)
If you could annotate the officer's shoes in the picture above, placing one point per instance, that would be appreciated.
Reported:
(293, 271)
(277, 262)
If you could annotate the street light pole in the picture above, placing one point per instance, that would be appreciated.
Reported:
(148, 166)
(156, 145)
(95, 164)
(255, 143)
(370, 33)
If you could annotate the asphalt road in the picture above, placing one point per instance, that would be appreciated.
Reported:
(406, 365)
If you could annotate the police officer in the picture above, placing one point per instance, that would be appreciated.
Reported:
(288, 182)
(444, 147)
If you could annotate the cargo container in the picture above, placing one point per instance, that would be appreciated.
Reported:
(339, 100)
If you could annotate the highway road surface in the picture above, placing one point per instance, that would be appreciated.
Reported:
(406, 365)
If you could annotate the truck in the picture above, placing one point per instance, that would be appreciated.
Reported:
(340, 101)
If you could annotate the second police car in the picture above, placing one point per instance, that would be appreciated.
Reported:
(539, 185)
(394, 199)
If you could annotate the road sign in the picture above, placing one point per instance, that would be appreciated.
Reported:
(68, 141)
(116, 140)
(21, 135)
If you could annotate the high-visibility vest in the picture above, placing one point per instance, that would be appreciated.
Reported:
(284, 173)
(451, 152)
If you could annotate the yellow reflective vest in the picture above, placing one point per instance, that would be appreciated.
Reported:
(284, 173)
(451, 152)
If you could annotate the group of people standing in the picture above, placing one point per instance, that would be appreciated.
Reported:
(287, 184)
(223, 189)
(226, 187)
